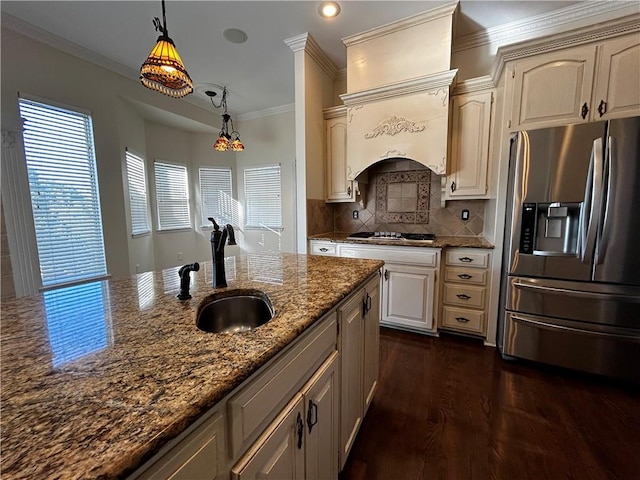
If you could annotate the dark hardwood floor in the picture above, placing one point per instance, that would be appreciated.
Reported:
(450, 408)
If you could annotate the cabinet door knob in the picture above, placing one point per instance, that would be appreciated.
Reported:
(453, 187)
(324, 249)
(585, 110)
(465, 276)
(465, 259)
(300, 427)
(462, 319)
(349, 191)
(602, 108)
(463, 296)
(312, 415)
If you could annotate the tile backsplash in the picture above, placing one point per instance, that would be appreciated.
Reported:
(402, 196)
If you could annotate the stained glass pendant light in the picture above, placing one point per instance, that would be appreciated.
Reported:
(164, 71)
(226, 141)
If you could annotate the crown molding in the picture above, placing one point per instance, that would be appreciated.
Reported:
(35, 33)
(340, 75)
(473, 85)
(579, 36)
(439, 12)
(538, 25)
(415, 85)
(307, 43)
(267, 112)
(335, 112)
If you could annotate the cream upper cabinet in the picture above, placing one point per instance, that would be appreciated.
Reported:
(591, 82)
(468, 163)
(338, 187)
(553, 88)
(617, 81)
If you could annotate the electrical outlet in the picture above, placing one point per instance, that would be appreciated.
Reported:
(465, 214)
(355, 214)
(180, 256)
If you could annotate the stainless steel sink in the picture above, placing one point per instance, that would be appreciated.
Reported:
(234, 311)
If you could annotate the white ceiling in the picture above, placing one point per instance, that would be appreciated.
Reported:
(258, 73)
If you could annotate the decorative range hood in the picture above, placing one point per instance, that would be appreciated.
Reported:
(398, 83)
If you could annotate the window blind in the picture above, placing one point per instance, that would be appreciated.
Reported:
(61, 165)
(262, 191)
(216, 195)
(138, 201)
(172, 194)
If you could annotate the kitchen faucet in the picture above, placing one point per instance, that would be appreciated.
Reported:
(185, 278)
(218, 239)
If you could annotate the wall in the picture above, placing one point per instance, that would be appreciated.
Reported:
(7, 290)
(39, 70)
(272, 141)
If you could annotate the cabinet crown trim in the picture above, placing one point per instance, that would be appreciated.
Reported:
(474, 85)
(579, 36)
(335, 112)
(414, 85)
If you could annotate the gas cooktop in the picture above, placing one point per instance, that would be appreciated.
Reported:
(419, 237)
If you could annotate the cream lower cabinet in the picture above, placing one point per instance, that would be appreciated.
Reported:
(409, 287)
(465, 290)
(359, 361)
(301, 443)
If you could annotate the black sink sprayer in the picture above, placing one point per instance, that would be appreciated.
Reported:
(218, 240)
(185, 279)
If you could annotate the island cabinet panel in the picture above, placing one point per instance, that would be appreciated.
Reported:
(351, 358)
(201, 456)
(278, 454)
(371, 344)
(251, 409)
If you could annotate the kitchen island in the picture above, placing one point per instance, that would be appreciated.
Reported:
(96, 378)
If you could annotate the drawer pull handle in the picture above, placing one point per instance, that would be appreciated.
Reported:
(312, 413)
(465, 276)
(324, 249)
(300, 426)
(462, 319)
(602, 108)
(386, 274)
(465, 259)
(463, 296)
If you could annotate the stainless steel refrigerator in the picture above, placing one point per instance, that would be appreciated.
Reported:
(571, 270)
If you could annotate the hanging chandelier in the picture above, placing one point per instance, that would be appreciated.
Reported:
(163, 70)
(226, 141)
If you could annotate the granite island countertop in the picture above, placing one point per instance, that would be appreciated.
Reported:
(97, 377)
(441, 241)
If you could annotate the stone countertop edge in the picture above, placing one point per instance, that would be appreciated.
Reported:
(99, 400)
(441, 241)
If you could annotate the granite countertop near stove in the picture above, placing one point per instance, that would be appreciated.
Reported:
(440, 241)
(97, 377)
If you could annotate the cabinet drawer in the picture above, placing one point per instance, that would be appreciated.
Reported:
(463, 319)
(464, 295)
(324, 248)
(465, 275)
(251, 409)
(405, 255)
(469, 259)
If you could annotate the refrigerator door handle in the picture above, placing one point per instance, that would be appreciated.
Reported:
(578, 293)
(552, 326)
(592, 203)
(609, 174)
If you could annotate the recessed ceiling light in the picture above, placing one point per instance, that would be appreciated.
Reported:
(235, 35)
(329, 9)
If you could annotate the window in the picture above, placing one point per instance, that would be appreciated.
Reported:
(61, 165)
(172, 193)
(262, 191)
(137, 194)
(216, 195)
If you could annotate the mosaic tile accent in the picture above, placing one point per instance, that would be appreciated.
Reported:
(403, 196)
(430, 217)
